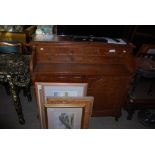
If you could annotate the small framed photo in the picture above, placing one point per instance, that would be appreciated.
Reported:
(46, 89)
(68, 112)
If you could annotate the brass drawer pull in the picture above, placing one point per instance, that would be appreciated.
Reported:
(112, 51)
(41, 49)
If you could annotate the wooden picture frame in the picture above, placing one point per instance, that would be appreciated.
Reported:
(63, 89)
(68, 112)
(42, 90)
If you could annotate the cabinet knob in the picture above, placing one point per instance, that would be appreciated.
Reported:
(41, 48)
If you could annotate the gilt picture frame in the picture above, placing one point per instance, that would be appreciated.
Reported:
(68, 112)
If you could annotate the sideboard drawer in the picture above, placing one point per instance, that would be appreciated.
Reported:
(76, 50)
(59, 78)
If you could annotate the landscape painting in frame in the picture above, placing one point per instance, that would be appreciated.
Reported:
(63, 90)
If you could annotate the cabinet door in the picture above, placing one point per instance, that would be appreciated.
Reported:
(109, 93)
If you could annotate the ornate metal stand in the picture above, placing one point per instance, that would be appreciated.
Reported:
(14, 71)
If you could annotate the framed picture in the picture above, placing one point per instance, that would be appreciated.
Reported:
(68, 112)
(46, 89)
(39, 98)
(63, 90)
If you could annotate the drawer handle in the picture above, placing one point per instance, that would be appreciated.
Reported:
(112, 51)
(41, 49)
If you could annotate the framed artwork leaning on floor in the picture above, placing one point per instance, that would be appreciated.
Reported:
(68, 112)
(49, 89)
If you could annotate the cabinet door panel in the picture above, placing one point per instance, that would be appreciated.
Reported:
(107, 91)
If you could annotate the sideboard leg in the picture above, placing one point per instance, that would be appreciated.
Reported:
(130, 109)
(116, 119)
